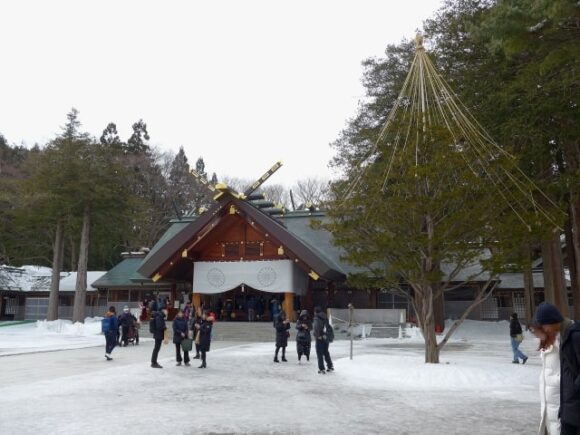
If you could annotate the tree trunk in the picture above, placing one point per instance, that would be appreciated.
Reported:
(575, 264)
(52, 313)
(529, 288)
(81, 285)
(556, 291)
(73, 254)
(426, 319)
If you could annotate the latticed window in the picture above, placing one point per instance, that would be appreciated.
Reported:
(254, 249)
(490, 309)
(231, 249)
(519, 304)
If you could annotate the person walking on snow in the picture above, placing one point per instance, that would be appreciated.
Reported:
(180, 330)
(282, 335)
(157, 327)
(110, 327)
(303, 337)
(566, 334)
(319, 330)
(517, 336)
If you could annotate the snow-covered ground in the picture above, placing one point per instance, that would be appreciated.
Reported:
(386, 389)
(43, 336)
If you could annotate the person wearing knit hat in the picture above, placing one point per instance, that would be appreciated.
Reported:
(565, 334)
(517, 337)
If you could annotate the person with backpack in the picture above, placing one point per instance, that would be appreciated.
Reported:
(180, 332)
(303, 337)
(110, 327)
(323, 335)
(282, 335)
(565, 334)
(517, 337)
(204, 336)
(157, 327)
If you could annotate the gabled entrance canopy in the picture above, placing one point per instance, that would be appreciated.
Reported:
(179, 248)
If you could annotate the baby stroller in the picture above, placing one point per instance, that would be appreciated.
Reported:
(133, 334)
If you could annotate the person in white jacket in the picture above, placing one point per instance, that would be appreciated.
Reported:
(549, 384)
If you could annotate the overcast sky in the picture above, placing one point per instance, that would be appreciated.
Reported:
(241, 83)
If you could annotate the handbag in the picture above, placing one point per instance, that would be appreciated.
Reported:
(197, 337)
(519, 338)
(186, 344)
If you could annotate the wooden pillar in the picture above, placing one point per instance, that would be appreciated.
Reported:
(288, 306)
(196, 300)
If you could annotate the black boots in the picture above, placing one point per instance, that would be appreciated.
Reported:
(203, 365)
(276, 359)
(156, 366)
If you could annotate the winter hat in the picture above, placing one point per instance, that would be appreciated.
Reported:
(126, 308)
(548, 314)
(303, 313)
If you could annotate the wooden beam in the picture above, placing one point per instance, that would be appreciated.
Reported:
(262, 179)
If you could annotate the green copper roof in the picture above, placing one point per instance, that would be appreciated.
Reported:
(124, 274)
(319, 240)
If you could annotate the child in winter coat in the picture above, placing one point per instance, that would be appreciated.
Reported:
(303, 337)
(282, 327)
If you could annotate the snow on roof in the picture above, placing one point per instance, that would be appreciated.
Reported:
(37, 279)
(68, 283)
(25, 278)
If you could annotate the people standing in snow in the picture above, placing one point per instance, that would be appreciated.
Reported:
(110, 327)
(127, 321)
(303, 336)
(564, 333)
(196, 320)
(204, 329)
(516, 336)
(549, 382)
(282, 335)
(157, 328)
(180, 331)
(319, 330)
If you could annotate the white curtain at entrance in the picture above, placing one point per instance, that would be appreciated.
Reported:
(279, 276)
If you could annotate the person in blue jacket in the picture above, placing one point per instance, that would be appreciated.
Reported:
(110, 326)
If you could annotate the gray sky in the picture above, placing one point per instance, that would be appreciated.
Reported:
(241, 83)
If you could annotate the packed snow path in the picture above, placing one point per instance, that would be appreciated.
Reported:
(386, 390)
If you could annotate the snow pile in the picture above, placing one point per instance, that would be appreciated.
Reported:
(410, 373)
(45, 336)
(92, 326)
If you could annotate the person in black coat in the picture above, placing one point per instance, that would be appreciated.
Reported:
(282, 334)
(158, 335)
(303, 337)
(553, 324)
(204, 329)
(319, 331)
(126, 320)
(196, 320)
(515, 331)
(180, 330)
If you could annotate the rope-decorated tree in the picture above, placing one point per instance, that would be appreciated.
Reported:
(435, 203)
